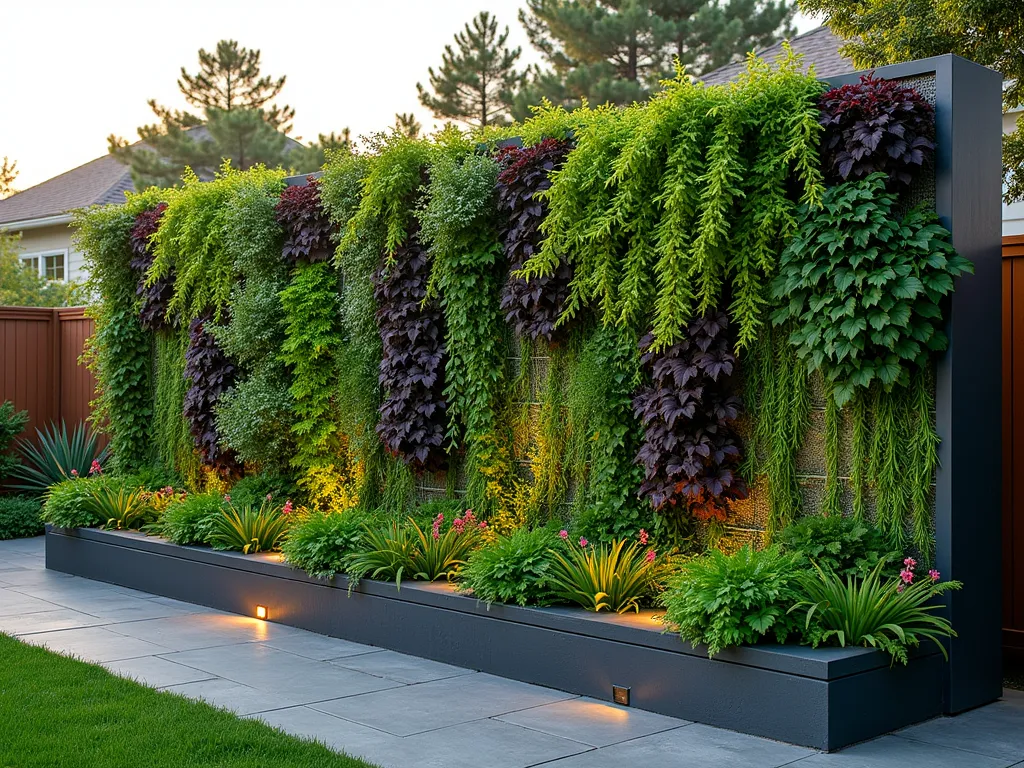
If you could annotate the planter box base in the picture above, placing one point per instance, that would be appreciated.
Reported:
(827, 698)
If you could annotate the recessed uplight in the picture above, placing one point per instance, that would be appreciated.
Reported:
(620, 695)
(263, 613)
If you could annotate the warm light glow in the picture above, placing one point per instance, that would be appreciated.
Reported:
(620, 695)
(262, 612)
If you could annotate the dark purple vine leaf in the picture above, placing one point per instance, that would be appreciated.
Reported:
(210, 373)
(531, 307)
(413, 413)
(691, 450)
(154, 298)
(307, 227)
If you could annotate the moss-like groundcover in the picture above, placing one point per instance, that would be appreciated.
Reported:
(58, 712)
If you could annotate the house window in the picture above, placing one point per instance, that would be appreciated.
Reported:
(51, 265)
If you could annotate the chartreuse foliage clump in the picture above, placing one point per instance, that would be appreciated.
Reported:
(665, 204)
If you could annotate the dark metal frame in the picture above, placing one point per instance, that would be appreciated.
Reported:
(968, 398)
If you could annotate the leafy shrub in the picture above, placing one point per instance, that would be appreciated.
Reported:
(726, 600)
(892, 615)
(532, 306)
(874, 126)
(151, 478)
(210, 373)
(512, 569)
(306, 225)
(330, 487)
(863, 287)
(154, 297)
(252, 490)
(189, 519)
(250, 529)
(691, 451)
(69, 503)
(405, 550)
(842, 545)
(122, 507)
(606, 577)
(413, 414)
(11, 424)
(19, 517)
(59, 456)
(320, 542)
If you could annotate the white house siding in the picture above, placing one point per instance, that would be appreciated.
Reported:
(1013, 215)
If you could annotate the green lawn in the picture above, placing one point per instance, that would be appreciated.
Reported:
(58, 712)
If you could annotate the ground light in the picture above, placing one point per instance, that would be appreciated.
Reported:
(262, 612)
(620, 695)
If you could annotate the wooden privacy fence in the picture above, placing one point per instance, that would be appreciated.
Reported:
(39, 352)
(1013, 443)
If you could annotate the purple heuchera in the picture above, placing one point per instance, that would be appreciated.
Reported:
(691, 450)
(413, 414)
(209, 372)
(531, 307)
(153, 298)
(306, 225)
(876, 125)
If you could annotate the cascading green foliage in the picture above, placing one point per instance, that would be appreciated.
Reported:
(861, 287)
(254, 416)
(312, 339)
(120, 352)
(193, 240)
(175, 449)
(832, 503)
(458, 223)
(666, 203)
(778, 398)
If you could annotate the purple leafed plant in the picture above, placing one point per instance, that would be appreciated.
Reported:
(209, 373)
(154, 298)
(413, 413)
(307, 227)
(876, 125)
(691, 451)
(531, 307)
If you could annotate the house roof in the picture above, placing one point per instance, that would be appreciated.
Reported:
(102, 181)
(819, 47)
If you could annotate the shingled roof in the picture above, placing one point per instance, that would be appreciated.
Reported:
(819, 47)
(102, 181)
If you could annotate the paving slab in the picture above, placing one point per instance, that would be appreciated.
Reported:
(691, 746)
(400, 667)
(336, 733)
(319, 647)
(440, 703)
(190, 632)
(156, 672)
(46, 621)
(227, 694)
(94, 644)
(592, 722)
(897, 752)
(996, 731)
(302, 680)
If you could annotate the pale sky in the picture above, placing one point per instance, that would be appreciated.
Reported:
(75, 72)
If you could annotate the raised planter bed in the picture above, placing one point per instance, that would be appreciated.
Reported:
(826, 698)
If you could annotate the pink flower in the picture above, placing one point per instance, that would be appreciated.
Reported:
(74, 473)
(907, 575)
(270, 496)
(910, 562)
(899, 588)
(227, 497)
(934, 574)
(583, 542)
(435, 528)
(643, 537)
(483, 524)
(287, 508)
(95, 468)
(650, 556)
(459, 525)
(469, 517)
(563, 534)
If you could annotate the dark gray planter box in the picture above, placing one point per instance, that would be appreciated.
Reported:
(826, 698)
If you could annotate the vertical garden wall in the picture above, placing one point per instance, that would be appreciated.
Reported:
(692, 321)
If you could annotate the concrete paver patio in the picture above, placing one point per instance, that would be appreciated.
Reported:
(402, 711)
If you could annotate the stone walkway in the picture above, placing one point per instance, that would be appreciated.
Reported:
(402, 711)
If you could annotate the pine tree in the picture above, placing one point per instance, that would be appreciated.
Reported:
(8, 173)
(618, 50)
(236, 123)
(476, 83)
(407, 124)
(986, 31)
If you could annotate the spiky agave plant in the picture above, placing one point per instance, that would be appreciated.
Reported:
(59, 455)
(249, 530)
(606, 577)
(383, 554)
(123, 508)
(892, 615)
